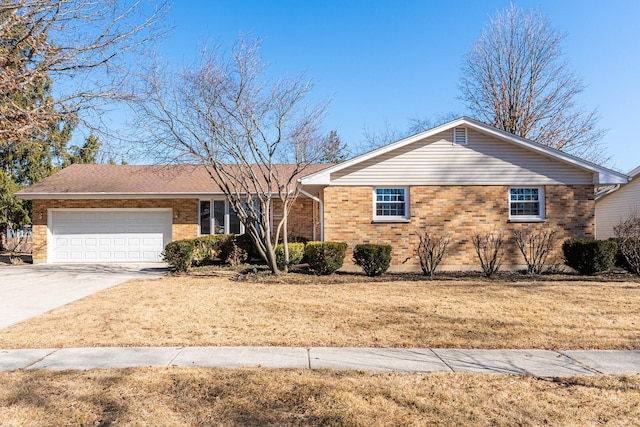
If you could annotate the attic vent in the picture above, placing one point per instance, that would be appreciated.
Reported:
(460, 136)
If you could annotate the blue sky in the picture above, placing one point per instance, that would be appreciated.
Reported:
(384, 62)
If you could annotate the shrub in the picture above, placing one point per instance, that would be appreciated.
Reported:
(373, 258)
(535, 248)
(239, 249)
(488, 250)
(627, 234)
(182, 254)
(296, 252)
(589, 256)
(208, 248)
(179, 254)
(325, 257)
(430, 251)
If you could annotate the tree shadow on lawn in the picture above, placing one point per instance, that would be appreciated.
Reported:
(618, 383)
(51, 393)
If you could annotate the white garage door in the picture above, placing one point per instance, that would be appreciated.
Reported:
(109, 235)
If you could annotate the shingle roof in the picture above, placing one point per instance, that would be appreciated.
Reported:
(129, 179)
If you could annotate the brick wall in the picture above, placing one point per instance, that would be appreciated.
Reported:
(460, 211)
(185, 223)
(301, 218)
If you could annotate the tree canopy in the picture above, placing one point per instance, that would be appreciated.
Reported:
(516, 79)
(226, 113)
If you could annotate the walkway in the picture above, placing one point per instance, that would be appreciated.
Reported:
(538, 363)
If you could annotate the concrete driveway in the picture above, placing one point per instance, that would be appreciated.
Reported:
(29, 290)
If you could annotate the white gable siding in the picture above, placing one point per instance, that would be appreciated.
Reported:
(484, 160)
(616, 206)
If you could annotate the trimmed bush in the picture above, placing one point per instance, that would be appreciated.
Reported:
(296, 252)
(179, 254)
(182, 254)
(325, 257)
(208, 248)
(589, 256)
(373, 258)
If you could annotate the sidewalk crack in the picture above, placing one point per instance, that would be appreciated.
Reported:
(40, 360)
(180, 350)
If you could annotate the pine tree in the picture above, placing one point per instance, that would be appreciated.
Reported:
(334, 150)
(26, 158)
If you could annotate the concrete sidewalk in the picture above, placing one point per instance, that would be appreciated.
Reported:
(539, 363)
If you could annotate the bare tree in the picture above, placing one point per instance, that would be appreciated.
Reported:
(516, 79)
(226, 114)
(84, 47)
(376, 138)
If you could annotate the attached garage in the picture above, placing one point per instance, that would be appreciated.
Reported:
(108, 235)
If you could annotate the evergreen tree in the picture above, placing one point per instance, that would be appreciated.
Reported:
(86, 154)
(334, 150)
(27, 157)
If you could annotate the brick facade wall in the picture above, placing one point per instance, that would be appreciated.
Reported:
(185, 223)
(300, 222)
(460, 211)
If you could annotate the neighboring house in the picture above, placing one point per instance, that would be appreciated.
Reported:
(615, 204)
(460, 178)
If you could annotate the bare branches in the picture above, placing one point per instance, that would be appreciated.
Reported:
(430, 251)
(488, 248)
(224, 113)
(535, 248)
(84, 47)
(627, 233)
(516, 79)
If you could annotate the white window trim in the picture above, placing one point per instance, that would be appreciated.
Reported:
(385, 218)
(227, 209)
(528, 218)
(466, 135)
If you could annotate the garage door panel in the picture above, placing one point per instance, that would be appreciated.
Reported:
(109, 236)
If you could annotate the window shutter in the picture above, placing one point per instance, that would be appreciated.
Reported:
(460, 136)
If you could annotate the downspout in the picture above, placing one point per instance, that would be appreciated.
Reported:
(312, 197)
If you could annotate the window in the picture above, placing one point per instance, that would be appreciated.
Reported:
(222, 220)
(526, 203)
(391, 204)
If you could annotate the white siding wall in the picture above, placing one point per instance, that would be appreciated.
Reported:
(485, 160)
(613, 207)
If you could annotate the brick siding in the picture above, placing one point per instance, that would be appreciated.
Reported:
(460, 211)
(184, 216)
(300, 222)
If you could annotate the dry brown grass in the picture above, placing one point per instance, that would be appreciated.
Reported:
(240, 397)
(198, 311)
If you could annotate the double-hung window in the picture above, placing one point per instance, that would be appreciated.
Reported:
(526, 203)
(391, 204)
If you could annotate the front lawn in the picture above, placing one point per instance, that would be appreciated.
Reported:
(345, 310)
(256, 397)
